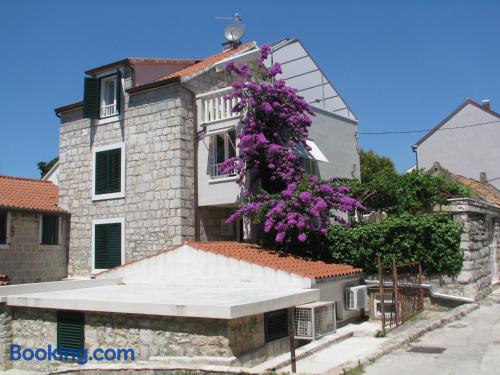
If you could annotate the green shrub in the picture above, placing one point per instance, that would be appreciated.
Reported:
(432, 239)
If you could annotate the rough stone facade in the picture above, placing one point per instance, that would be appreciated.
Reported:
(157, 129)
(25, 260)
(480, 243)
(239, 341)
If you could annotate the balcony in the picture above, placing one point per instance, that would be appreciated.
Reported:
(213, 108)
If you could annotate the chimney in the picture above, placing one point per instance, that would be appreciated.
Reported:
(482, 177)
(486, 104)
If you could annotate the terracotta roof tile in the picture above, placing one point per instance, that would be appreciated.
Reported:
(29, 194)
(255, 254)
(207, 62)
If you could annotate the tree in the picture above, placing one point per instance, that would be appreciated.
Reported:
(373, 165)
(289, 204)
(45, 167)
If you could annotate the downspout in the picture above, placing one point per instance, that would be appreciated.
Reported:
(414, 149)
(195, 165)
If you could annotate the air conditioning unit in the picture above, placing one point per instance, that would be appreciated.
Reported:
(356, 297)
(314, 320)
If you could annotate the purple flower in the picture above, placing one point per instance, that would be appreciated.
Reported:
(266, 107)
(274, 70)
(265, 50)
(302, 237)
(305, 196)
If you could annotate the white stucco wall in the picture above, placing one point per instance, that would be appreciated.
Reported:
(466, 151)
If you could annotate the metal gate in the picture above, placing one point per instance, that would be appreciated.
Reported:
(401, 292)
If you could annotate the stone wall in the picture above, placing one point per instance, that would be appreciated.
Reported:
(235, 341)
(25, 260)
(480, 224)
(157, 128)
(5, 335)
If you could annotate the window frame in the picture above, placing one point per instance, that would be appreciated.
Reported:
(121, 193)
(40, 229)
(109, 77)
(7, 231)
(213, 152)
(115, 220)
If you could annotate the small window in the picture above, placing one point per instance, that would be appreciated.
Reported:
(310, 166)
(70, 330)
(108, 172)
(109, 96)
(50, 230)
(223, 147)
(3, 228)
(107, 244)
(276, 325)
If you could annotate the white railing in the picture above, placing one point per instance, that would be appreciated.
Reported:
(215, 171)
(108, 110)
(213, 107)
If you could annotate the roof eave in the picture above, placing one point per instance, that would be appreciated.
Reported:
(107, 66)
(153, 85)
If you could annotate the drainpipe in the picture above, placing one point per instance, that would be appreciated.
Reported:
(195, 165)
(414, 149)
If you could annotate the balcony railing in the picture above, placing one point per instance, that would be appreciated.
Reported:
(108, 110)
(215, 171)
(213, 106)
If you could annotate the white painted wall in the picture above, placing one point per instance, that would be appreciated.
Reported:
(53, 174)
(467, 151)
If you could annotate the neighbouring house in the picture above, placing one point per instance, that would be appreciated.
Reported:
(219, 303)
(53, 174)
(33, 231)
(466, 142)
(479, 217)
(139, 156)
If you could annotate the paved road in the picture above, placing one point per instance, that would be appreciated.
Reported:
(472, 346)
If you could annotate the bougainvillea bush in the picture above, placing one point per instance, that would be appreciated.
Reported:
(290, 205)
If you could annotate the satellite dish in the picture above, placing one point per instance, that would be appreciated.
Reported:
(234, 31)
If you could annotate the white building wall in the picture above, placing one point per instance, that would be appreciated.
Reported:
(467, 151)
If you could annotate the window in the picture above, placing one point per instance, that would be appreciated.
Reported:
(388, 305)
(310, 166)
(223, 147)
(70, 330)
(101, 96)
(109, 172)
(276, 325)
(109, 96)
(108, 240)
(4, 235)
(50, 230)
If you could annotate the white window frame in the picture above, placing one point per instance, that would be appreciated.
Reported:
(121, 193)
(114, 220)
(7, 234)
(213, 154)
(102, 91)
(40, 230)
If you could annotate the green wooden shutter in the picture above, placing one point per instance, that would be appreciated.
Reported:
(118, 90)
(107, 246)
(91, 98)
(108, 171)
(276, 325)
(70, 330)
(50, 230)
(3, 228)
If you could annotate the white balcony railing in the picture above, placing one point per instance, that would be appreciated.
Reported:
(213, 107)
(108, 110)
(215, 171)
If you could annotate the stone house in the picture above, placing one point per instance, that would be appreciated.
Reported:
(33, 231)
(206, 303)
(139, 156)
(466, 142)
(479, 217)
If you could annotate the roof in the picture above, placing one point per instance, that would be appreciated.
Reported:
(29, 194)
(481, 190)
(208, 62)
(132, 60)
(452, 114)
(277, 260)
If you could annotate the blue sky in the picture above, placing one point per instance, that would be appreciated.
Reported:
(401, 65)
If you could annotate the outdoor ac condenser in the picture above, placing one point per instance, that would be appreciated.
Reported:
(314, 320)
(356, 297)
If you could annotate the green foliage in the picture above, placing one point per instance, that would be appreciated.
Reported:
(413, 192)
(45, 167)
(375, 166)
(432, 239)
